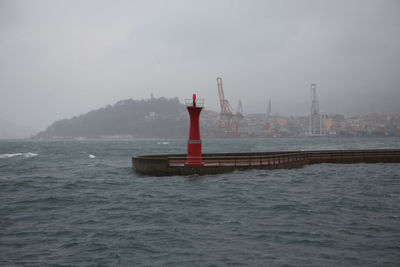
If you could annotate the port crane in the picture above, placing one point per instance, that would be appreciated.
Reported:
(225, 116)
(317, 123)
(229, 123)
(238, 117)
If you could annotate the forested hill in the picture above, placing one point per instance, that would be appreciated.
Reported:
(151, 118)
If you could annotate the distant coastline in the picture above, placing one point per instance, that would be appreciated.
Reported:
(167, 118)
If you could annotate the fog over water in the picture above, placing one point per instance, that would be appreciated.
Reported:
(64, 58)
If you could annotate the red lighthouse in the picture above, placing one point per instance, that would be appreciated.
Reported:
(194, 143)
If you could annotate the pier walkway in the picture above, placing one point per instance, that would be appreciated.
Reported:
(174, 164)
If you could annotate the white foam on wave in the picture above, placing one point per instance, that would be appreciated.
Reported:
(5, 156)
(162, 143)
(29, 155)
(11, 155)
(89, 155)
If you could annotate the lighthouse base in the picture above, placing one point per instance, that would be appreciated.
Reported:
(190, 163)
(194, 153)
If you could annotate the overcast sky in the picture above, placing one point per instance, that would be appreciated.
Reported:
(64, 58)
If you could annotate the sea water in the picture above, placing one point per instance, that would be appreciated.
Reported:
(80, 203)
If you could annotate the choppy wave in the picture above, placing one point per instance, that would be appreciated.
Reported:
(11, 155)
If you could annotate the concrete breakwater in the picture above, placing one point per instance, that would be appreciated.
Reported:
(174, 164)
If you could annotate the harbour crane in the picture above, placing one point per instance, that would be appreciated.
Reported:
(225, 122)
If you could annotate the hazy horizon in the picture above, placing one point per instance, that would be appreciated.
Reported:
(60, 59)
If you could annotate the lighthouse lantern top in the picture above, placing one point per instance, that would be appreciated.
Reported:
(194, 102)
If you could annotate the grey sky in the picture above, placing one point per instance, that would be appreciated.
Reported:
(63, 58)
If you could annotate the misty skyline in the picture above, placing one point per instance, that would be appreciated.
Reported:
(59, 59)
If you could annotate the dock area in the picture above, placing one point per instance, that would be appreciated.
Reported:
(215, 163)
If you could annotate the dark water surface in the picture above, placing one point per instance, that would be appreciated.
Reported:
(80, 203)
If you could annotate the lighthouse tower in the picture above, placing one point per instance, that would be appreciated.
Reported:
(194, 143)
